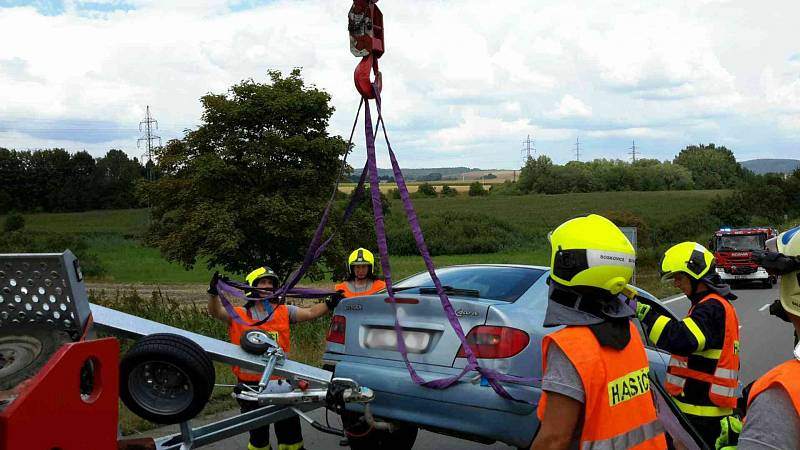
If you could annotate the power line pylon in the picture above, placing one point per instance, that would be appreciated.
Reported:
(633, 152)
(528, 147)
(148, 126)
(577, 148)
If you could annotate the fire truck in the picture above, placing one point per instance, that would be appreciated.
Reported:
(733, 250)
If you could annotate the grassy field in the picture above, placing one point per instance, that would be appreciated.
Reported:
(114, 235)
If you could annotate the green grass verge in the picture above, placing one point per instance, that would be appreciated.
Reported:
(126, 260)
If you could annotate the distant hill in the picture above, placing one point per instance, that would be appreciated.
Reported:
(761, 166)
(445, 174)
(415, 174)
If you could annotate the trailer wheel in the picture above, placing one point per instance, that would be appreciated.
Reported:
(166, 378)
(24, 349)
(256, 341)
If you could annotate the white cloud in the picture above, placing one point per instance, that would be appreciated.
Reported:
(570, 106)
(461, 77)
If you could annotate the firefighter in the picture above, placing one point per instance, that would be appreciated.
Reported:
(773, 402)
(703, 371)
(287, 431)
(595, 385)
(361, 278)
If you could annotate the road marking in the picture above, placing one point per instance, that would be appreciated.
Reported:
(764, 307)
(673, 299)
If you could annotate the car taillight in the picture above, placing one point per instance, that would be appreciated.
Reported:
(337, 330)
(495, 342)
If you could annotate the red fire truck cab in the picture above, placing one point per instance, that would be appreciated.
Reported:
(733, 250)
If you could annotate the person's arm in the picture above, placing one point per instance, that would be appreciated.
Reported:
(697, 332)
(772, 422)
(561, 416)
(311, 313)
(215, 308)
(318, 310)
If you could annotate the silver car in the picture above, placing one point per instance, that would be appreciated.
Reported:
(501, 309)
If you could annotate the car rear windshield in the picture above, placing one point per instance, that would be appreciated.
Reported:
(491, 282)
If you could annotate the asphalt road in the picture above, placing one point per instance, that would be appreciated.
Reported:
(765, 342)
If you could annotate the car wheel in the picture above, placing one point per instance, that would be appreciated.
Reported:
(166, 378)
(359, 437)
(767, 284)
(25, 349)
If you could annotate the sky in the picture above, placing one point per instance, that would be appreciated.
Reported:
(465, 81)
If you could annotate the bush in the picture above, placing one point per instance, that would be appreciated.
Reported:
(507, 188)
(452, 233)
(394, 193)
(476, 190)
(426, 190)
(14, 221)
(447, 191)
(628, 219)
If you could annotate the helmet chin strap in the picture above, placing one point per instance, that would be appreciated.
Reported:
(694, 284)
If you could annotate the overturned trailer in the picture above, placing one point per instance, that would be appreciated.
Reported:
(52, 369)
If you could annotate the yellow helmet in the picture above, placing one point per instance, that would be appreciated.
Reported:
(262, 272)
(789, 245)
(361, 257)
(591, 251)
(690, 258)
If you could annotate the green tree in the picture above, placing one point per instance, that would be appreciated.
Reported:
(535, 176)
(426, 190)
(712, 167)
(247, 187)
(476, 189)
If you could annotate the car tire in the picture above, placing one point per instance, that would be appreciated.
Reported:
(25, 349)
(166, 378)
(767, 284)
(401, 439)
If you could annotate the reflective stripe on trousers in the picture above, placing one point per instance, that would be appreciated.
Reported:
(702, 411)
(297, 446)
(629, 439)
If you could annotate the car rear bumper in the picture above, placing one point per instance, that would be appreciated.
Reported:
(466, 409)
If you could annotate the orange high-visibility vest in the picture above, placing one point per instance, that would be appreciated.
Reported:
(725, 379)
(618, 412)
(277, 327)
(377, 285)
(786, 376)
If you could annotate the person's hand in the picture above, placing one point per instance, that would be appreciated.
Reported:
(776, 263)
(333, 301)
(212, 285)
(641, 310)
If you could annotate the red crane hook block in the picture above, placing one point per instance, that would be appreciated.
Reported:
(365, 24)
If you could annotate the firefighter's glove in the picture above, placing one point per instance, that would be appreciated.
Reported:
(641, 310)
(728, 439)
(212, 285)
(333, 301)
(776, 263)
(741, 402)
